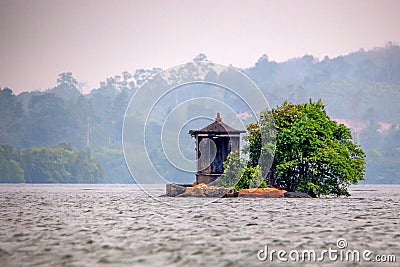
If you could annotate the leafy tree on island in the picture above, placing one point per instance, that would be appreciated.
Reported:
(313, 154)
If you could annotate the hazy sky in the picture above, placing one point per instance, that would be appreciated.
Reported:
(96, 39)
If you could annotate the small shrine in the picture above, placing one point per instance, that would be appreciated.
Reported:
(213, 145)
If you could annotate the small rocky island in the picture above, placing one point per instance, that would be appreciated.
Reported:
(203, 190)
(213, 145)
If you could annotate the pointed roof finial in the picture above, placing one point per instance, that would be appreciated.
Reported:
(218, 118)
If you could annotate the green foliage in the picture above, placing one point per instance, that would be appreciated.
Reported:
(256, 178)
(58, 164)
(267, 135)
(11, 171)
(253, 137)
(233, 170)
(238, 174)
(313, 153)
(251, 178)
(11, 114)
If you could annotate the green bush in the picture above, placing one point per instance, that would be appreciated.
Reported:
(238, 174)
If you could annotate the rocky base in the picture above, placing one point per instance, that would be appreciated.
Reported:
(262, 192)
(203, 190)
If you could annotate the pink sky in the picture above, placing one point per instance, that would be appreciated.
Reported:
(98, 39)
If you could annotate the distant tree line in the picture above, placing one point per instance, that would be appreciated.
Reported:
(58, 164)
(63, 114)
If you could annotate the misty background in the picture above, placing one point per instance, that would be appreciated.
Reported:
(361, 90)
(62, 104)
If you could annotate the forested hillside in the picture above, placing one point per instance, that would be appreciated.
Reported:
(361, 90)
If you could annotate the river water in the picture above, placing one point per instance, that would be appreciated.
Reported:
(121, 225)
